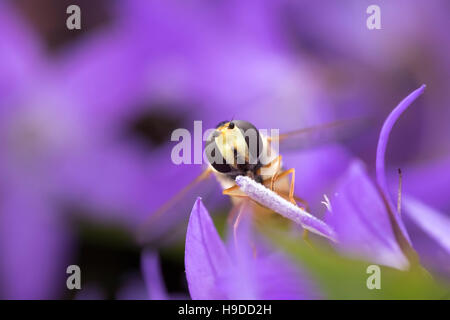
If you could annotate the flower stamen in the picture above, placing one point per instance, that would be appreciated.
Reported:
(268, 198)
(326, 203)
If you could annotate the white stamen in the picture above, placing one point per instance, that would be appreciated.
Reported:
(268, 198)
(326, 203)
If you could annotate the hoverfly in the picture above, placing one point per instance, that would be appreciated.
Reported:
(237, 148)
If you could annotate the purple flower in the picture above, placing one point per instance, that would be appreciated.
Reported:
(62, 144)
(346, 52)
(34, 239)
(366, 223)
(35, 244)
(240, 269)
(213, 51)
(361, 220)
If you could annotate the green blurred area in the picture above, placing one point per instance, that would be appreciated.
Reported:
(339, 277)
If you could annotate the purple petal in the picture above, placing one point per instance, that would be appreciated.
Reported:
(428, 181)
(384, 135)
(261, 274)
(381, 151)
(269, 277)
(434, 223)
(206, 258)
(152, 276)
(361, 221)
(433, 256)
(280, 279)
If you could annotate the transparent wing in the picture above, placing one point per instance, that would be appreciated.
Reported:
(317, 135)
(166, 224)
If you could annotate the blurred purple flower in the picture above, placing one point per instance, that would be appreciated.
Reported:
(151, 271)
(35, 245)
(240, 269)
(151, 285)
(61, 144)
(366, 222)
(34, 240)
(148, 285)
(429, 229)
(433, 222)
(345, 52)
(221, 59)
(426, 179)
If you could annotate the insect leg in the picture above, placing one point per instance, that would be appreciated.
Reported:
(305, 237)
(233, 213)
(292, 198)
(234, 191)
(277, 160)
(292, 185)
(236, 222)
(241, 211)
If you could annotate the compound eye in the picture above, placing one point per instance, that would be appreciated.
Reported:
(252, 137)
(218, 162)
(214, 156)
(231, 125)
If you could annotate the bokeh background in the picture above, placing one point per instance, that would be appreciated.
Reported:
(86, 117)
